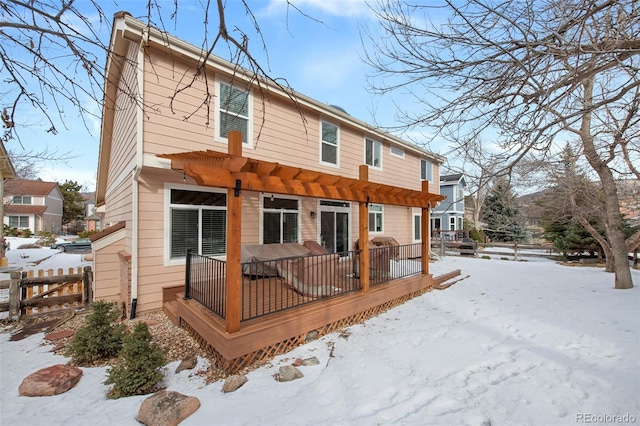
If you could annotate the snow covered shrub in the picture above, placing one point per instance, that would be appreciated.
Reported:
(140, 366)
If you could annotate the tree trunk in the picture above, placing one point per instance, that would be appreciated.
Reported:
(615, 232)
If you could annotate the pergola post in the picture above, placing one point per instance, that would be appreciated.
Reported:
(426, 232)
(233, 294)
(364, 234)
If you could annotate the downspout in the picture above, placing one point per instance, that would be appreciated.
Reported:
(137, 170)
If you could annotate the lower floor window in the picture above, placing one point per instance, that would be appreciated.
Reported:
(19, 221)
(198, 223)
(417, 227)
(375, 218)
(279, 220)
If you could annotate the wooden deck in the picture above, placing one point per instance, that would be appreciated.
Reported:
(272, 334)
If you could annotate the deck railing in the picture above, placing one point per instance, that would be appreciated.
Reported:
(277, 285)
(205, 282)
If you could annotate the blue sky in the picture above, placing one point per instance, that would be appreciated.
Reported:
(318, 56)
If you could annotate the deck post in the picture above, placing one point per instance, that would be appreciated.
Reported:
(426, 232)
(233, 293)
(363, 219)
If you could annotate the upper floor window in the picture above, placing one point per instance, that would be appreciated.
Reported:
(426, 170)
(233, 112)
(329, 143)
(375, 218)
(373, 153)
(398, 152)
(21, 199)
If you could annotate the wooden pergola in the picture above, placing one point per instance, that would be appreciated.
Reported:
(238, 173)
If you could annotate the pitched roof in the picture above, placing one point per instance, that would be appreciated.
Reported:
(24, 209)
(107, 231)
(28, 187)
(451, 178)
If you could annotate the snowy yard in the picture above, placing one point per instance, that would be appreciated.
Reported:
(527, 343)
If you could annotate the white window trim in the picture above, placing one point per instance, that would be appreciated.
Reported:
(413, 226)
(381, 212)
(216, 122)
(168, 261)
(427, 178)
(374, 143)
(321, 141)
(391, 148)
(261, 213)
(320, 208)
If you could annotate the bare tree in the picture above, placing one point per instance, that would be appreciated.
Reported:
(527, 75)
(52, 56)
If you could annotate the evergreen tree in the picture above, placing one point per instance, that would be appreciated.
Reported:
(72, 203)
(140, 368)
(502, 214)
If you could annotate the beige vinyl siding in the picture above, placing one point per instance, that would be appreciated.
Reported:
(309, 226)
(152, 274)
(107, 272)
(123, 145)
(251, 217)
(166, 130)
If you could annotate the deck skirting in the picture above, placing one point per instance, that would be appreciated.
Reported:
(262, 338)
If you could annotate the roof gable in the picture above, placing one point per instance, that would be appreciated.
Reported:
(36, 188)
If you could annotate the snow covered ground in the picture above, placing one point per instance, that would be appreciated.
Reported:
(514, 343)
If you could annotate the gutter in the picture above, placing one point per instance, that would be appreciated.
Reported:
(135, 175)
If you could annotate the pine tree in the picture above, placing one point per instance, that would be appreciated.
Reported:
(502, 214)
(100, 338)
(139, 370)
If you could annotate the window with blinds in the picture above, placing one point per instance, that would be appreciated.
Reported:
(375, 218)
(329, 143)
(279, 220)
(233, 111)
(19, 221)
(198, 222)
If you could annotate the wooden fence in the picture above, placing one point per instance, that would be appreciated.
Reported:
(33, 292)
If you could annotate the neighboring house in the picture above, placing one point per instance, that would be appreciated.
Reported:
(449, 214)
(6, 172)
(92, 218)
(166, 184)
(33, 205)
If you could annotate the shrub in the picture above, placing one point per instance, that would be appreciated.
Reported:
(99, 339)
(46, 238)
(26, 233)
(139, 369)
(86, 234)
(486, 257)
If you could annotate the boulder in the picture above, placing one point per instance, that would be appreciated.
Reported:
(287, 373)
(187, 364)
(49, 381)
(232, 383)
(310, 361)
(167, 408)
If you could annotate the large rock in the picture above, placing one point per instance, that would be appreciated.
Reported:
(167, 408)
(232, 383)
(49, 381)
(188, 363)
(287, 373)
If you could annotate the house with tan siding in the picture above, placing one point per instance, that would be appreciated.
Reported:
(259, 170)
